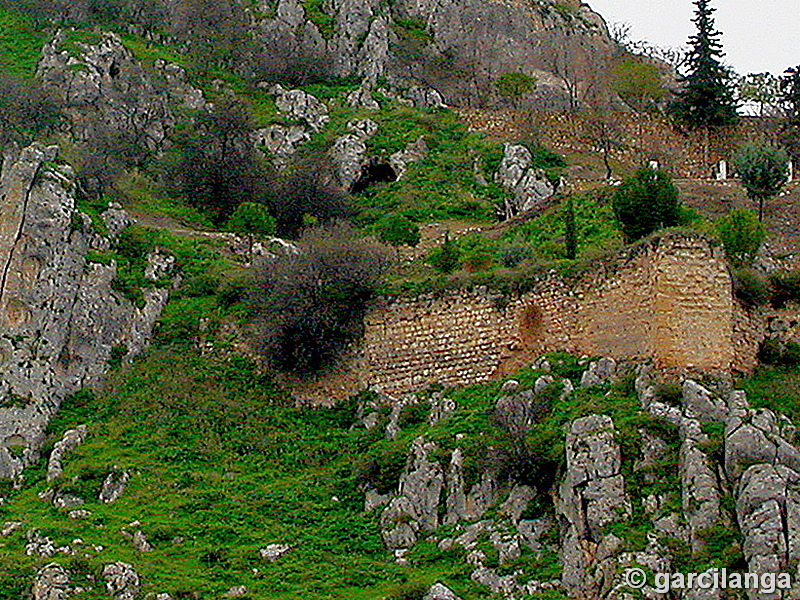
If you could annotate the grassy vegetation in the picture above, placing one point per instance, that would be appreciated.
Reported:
(775, 388)
(20, 44)
(316, 14)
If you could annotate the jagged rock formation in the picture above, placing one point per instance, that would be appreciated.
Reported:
(122, 581)
(51, 583)
(591, 497)
(71, 440)
(59, 315)
(743, 483)
(459, 47)
(104, 90)
(529, 185)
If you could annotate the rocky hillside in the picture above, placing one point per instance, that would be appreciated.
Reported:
(160, 170)
(549, 485)
(61, 318)
(460, 49)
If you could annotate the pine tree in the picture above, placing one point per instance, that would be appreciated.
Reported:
(706, 100)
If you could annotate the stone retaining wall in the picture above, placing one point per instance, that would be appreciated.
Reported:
(669, 299)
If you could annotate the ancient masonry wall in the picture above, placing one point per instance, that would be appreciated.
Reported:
(669, 300)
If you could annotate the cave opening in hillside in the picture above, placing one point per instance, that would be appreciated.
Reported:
(373, 173)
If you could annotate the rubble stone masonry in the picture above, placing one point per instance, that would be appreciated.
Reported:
(669, 300)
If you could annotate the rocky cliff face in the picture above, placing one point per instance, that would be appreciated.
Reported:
(462, 48)
(59, 316)
(107, 93)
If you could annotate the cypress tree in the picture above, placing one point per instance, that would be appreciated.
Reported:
(790, 127)
(706, 100)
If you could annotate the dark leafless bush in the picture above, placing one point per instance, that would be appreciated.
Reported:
(312, 304)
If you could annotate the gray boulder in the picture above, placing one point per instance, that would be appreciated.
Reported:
(113, 486)
(349, 151)
(529, 185)
(51, 583)
(701, 404)
(71, 439)
(122, 581)
(302, 106)
(440, 591)
(600, 372)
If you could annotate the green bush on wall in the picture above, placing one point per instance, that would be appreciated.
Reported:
(742, 235)
(646, 202)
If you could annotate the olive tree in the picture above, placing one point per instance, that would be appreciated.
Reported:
(763, 170)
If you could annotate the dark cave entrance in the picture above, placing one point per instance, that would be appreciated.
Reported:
(371, 174)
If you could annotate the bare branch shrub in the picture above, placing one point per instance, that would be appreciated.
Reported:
(312, 304)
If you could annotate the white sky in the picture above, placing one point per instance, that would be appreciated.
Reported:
(757, 35)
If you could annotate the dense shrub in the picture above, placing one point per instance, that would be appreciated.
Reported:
(215, 167)
(397, 230)
(779, 353)
(312, 303)
(303, 197)
(251, 218)
(409, 591)
(742, 235)
(646, 202)
(477, 252)
(382, 467)
(786, 288)
(26, 109)
(519, 454)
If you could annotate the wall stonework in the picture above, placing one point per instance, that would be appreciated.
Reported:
(669, 300)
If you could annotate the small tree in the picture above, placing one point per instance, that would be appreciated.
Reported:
(570, 228)
(646, 202)
(251, 218)
(602, 129)
(763, 169)
(515, 85)
(397, 230)
(446, 258)
(638, 83)
(760, 88)
(742, 235)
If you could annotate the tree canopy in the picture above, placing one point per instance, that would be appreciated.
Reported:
(646, 202)
(763, 169)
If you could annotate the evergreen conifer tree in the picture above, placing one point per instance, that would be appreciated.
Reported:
(706, 100)
(790, 127)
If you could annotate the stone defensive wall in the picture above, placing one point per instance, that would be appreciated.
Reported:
(669, 300)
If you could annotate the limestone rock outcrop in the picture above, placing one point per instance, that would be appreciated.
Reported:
(453, 50)
(591, 497)
(52, 583)
(59, 316)
(105, 90)
(528, 184)
(122, 581)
